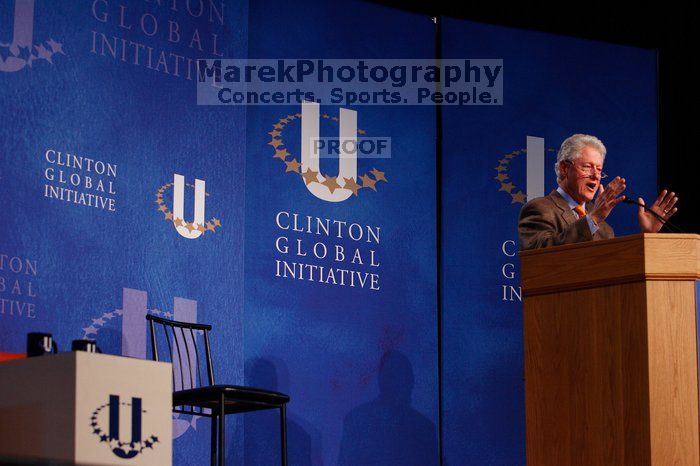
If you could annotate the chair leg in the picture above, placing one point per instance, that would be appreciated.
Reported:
(283, 433)
(222, 429)
(213, 439)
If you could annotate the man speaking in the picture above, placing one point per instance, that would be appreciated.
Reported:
(569, 215)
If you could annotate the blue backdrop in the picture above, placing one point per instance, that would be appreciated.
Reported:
(359, 364)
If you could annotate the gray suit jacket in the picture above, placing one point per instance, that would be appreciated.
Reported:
(549, 221)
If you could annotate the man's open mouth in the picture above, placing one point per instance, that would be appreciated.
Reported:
(592, 185)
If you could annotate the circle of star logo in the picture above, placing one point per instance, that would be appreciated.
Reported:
(503, 177)
(118, 447)
(368, 180)
(91, 331)
(210, 225)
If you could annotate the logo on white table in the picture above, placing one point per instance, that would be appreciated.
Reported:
(105, 422)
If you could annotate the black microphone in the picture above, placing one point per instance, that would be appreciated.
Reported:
(671, 226)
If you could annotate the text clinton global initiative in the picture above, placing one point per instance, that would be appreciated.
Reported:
(331, 252)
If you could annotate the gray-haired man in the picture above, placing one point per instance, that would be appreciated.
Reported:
(569, 214)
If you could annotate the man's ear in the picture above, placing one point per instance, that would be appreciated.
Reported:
(563, 168)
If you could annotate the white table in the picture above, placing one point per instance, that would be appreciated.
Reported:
(87, 409)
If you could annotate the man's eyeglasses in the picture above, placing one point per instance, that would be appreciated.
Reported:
(588, 169)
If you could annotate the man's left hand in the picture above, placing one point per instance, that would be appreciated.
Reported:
(663, 206)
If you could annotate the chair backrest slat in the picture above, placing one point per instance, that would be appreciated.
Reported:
(180, 385)
(193, 337)
(170, 350)
(189, 360)
(183, 351)
(210, 367)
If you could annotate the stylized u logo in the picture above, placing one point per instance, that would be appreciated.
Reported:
(196, 228)
(22, 35)
(114, 425)
(347, 162)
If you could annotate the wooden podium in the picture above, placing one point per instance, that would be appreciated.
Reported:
(611, 366)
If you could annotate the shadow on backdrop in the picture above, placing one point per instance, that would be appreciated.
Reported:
(388, 430)
(261, 444)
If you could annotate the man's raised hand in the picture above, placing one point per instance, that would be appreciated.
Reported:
(607, 199)
(663, 207)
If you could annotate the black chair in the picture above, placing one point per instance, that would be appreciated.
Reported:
(196, 395)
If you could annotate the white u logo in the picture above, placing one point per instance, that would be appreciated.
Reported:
(22, 35)
(178, 207)
(347, 162)
(534, 171)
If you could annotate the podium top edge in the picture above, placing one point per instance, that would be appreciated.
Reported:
(619, 239)
(626, 259)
